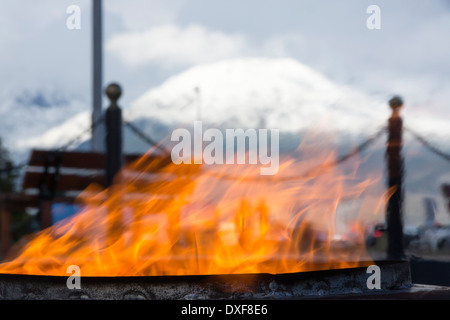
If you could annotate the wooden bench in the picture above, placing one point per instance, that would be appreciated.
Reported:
(59, 177)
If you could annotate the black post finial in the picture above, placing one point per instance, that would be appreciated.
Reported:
(395, 102)
(113, 91)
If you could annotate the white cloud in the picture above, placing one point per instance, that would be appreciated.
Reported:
(171, 46)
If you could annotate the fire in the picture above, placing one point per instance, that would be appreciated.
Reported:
(166, 219)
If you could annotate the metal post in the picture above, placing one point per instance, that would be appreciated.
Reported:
(113, 121)
(45, 213)
(97, 128)
(394, 210)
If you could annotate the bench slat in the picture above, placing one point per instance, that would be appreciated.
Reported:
(73, 182)
(77, 159)
(66, 182)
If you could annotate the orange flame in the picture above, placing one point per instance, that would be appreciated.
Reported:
(164, 219)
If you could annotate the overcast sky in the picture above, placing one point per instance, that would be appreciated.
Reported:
(148, 41)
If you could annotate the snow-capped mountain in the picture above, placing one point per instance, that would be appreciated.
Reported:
(259, 92)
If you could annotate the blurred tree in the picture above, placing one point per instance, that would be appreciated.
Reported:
(8, 175)
(21, 222)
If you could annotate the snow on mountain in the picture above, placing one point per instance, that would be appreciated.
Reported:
(61, 133)
(30, 118)
(259, 92)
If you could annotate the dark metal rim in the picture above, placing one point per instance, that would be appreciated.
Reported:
(163, 278)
